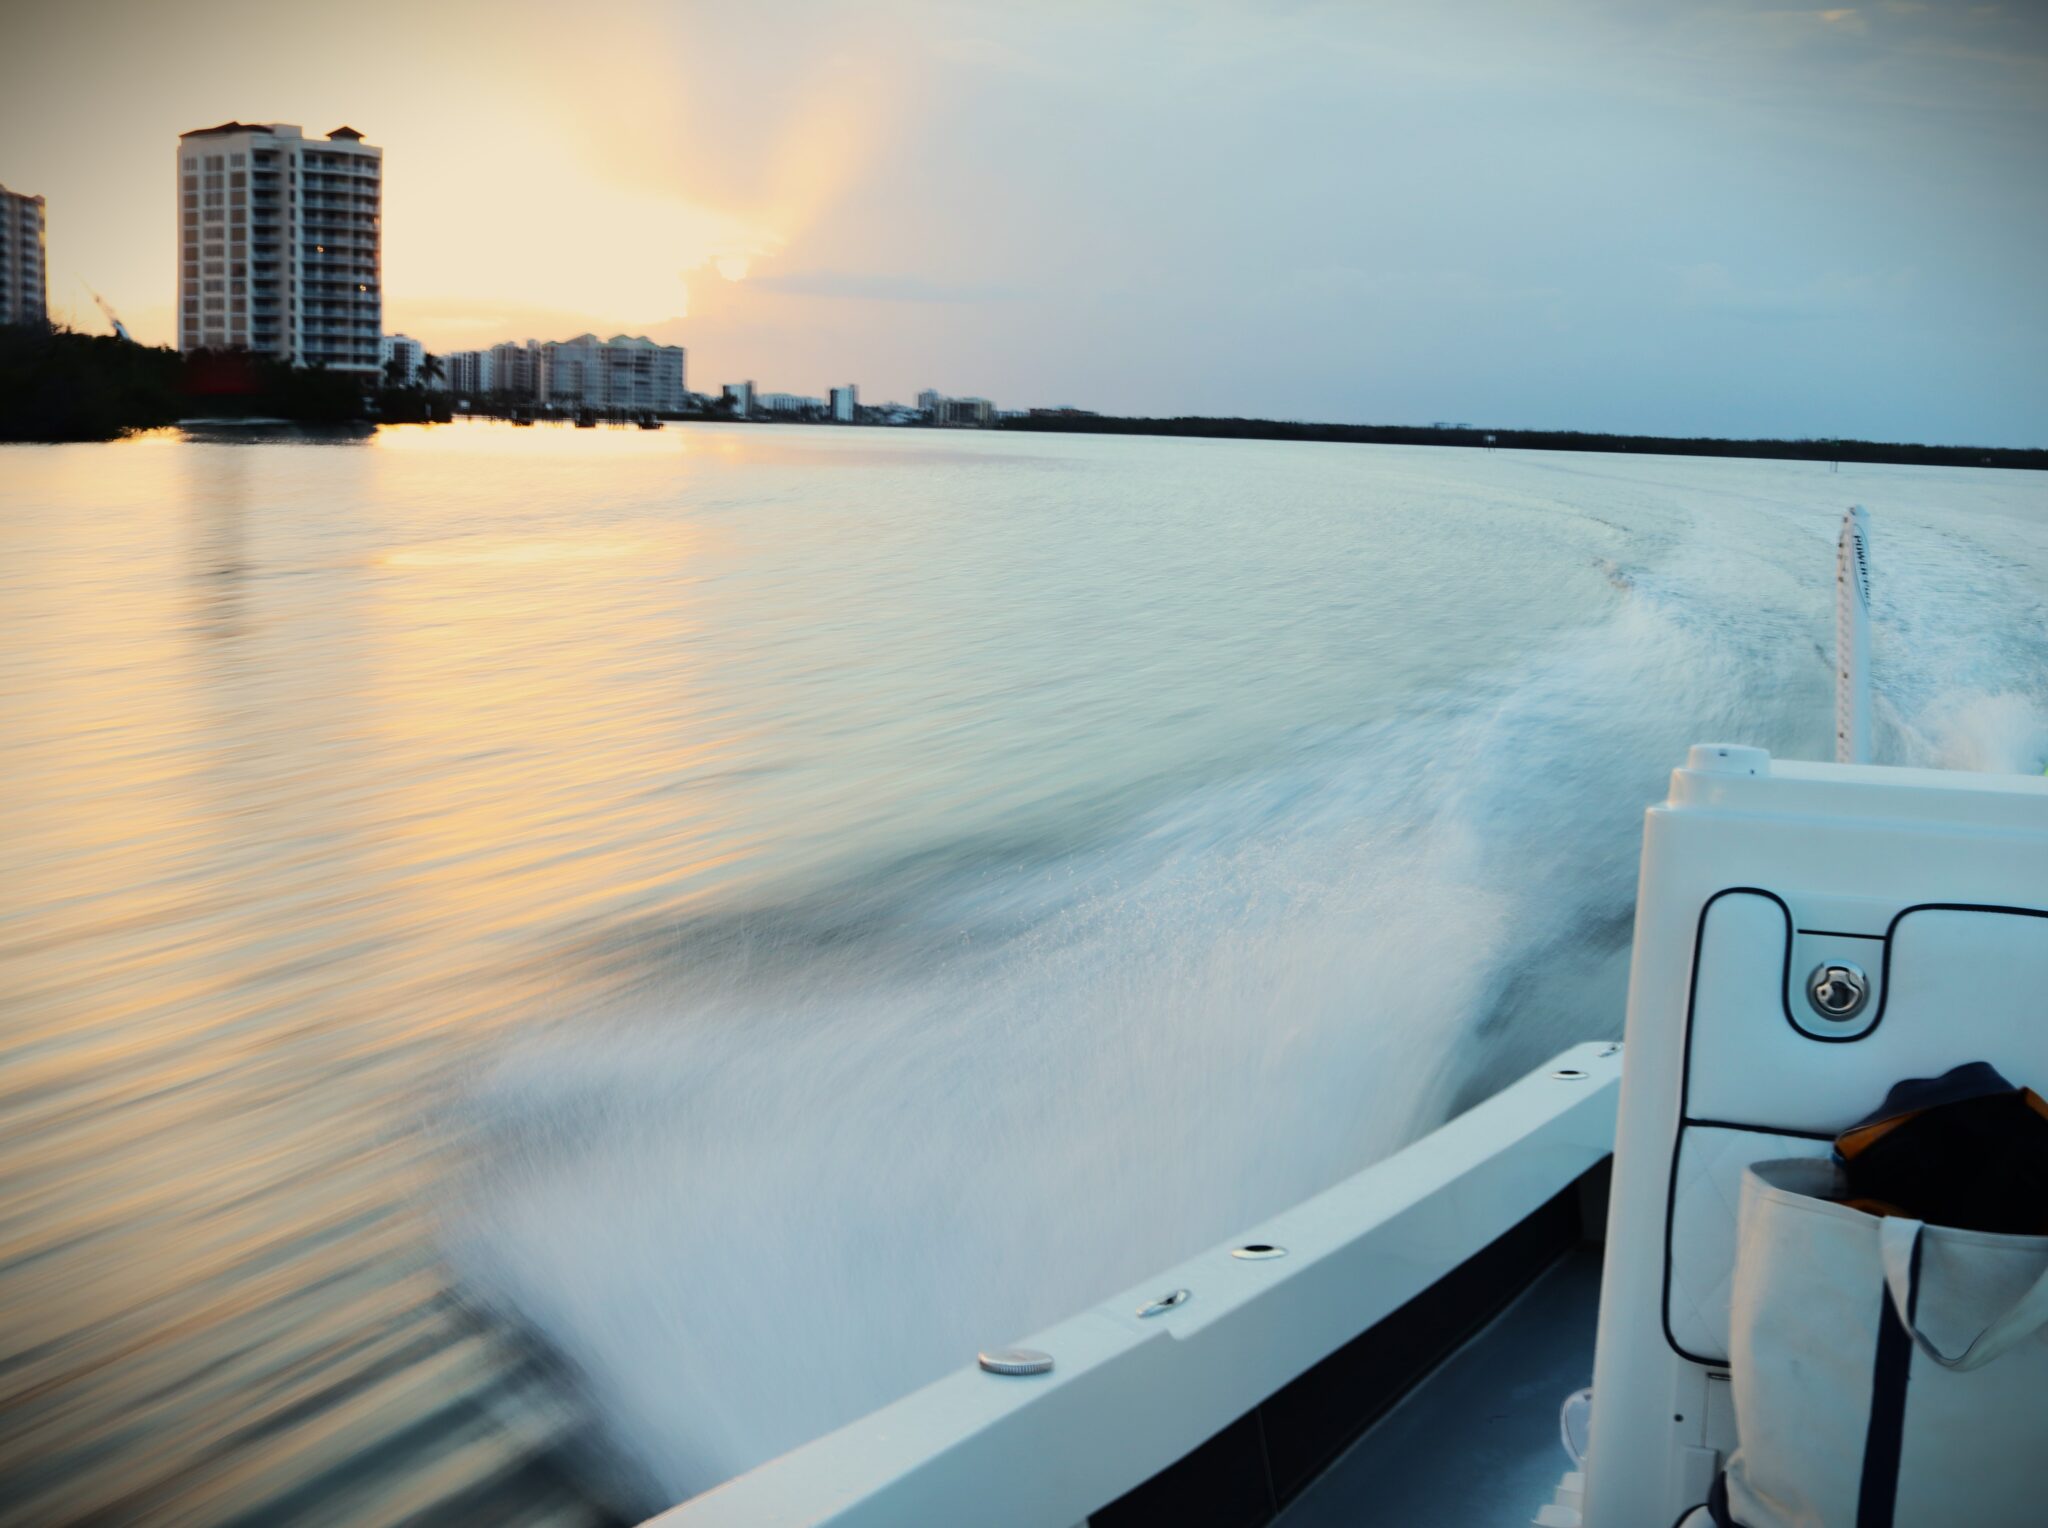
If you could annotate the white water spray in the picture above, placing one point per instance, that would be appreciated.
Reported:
(812, 1172)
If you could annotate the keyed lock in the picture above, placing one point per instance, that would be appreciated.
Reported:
(1837, 990)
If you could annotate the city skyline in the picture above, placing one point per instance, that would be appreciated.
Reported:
(1728, 219)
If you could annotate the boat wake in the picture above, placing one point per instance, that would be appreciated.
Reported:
(837, 1146)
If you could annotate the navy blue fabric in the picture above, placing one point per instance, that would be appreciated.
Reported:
(1717, 1504)
(1973, 1079)
(1884, 1442)
(1964, 1149)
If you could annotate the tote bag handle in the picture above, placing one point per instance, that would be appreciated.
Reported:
(1898, 1241)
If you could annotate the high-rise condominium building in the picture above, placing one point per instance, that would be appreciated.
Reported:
(24, 284)
(278, 244)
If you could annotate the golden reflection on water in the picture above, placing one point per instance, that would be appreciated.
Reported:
(310, 785)
(329, 763)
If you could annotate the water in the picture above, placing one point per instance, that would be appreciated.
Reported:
(755, 915)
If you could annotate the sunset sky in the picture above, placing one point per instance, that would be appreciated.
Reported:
(1730, 219)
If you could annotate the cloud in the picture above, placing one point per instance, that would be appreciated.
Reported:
(863, 287)
(1320, 209)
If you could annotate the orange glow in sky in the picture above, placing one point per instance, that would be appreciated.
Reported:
(542, 177)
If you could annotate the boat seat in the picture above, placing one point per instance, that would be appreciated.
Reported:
(1765, 1074)
(1699, 1257)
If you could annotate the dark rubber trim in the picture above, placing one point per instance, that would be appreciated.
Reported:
(1884, 989)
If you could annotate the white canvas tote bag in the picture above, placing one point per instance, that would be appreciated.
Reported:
(1886, 1373)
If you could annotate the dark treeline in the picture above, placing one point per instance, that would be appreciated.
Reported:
(60, 386)
(1541, 440)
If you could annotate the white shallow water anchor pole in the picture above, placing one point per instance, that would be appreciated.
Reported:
(1852, 639)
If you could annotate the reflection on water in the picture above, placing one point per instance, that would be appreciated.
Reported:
(329, 770)
(217, 1299)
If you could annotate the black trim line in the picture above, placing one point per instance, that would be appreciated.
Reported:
(1837, 933)
(1843, 1037)
(1884, 983)
(1686, 1120)
(1670, 1208)
(1692, 993)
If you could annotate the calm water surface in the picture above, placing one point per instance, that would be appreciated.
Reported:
(664, 941)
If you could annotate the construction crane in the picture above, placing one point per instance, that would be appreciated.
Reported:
(113, 318)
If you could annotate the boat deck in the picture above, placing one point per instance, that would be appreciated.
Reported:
(1477, 1442)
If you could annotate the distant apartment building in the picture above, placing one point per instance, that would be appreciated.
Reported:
(467, 373)
(740, 395)
(789, 405)
(409, 354)
(570, 371)
(623, 372)
(279, 245)
(971, 412)
(24, 276)
(643, 374)
(515, 370)
(845, 404)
